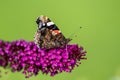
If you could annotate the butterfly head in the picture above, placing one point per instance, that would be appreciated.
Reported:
(41, 21)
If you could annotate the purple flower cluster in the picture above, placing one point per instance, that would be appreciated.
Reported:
(25, 56)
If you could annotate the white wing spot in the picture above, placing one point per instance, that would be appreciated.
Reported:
(50, 23)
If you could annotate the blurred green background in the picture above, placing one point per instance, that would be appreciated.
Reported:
(99, 35)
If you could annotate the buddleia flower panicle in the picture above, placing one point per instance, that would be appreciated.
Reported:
(25, 56)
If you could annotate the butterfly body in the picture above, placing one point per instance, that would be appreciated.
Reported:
(48, 35)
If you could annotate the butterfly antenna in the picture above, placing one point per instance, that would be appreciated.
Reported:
(73, 34)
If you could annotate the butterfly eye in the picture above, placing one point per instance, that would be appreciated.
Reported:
(40, 24)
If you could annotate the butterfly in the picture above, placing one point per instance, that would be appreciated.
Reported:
(48, 34)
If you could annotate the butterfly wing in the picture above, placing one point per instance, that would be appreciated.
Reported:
(49, 36)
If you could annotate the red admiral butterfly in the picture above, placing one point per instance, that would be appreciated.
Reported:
(48, 35)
